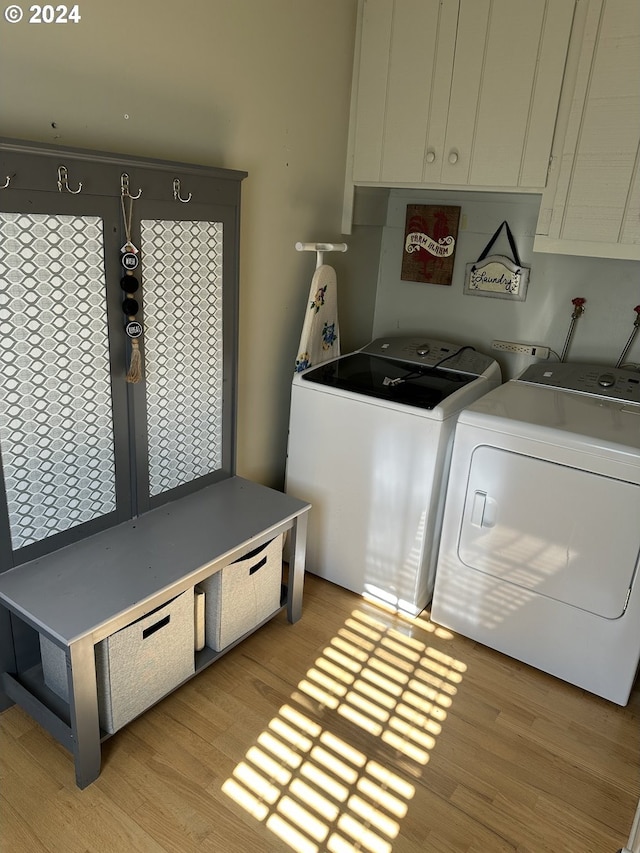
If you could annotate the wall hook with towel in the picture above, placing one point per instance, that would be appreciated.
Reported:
(320, 249)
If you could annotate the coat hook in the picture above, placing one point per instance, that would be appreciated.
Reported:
(176, 192)
(124, 187)
(6, 183)
(63, 181)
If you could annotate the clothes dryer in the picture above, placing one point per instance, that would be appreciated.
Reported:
(370, 438)
(541, 532)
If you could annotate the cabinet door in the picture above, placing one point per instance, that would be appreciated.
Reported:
(458, 92)
(596, 208)
(406, 56)
(507, 76)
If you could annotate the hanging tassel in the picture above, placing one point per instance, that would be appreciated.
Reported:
(130, 260)
(134, 374)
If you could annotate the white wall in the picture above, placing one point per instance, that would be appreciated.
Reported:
(611, 287)
(256, 85)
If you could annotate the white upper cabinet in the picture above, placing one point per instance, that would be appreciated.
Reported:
(457, 93)
(592, 205)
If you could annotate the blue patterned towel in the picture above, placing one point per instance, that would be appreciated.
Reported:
(320, 338)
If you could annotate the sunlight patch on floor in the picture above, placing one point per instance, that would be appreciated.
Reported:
(315, 790)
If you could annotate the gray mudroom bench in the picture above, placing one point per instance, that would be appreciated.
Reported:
(131, 554)
(82, 594)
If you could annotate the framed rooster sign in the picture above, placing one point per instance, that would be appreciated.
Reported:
(430, 240)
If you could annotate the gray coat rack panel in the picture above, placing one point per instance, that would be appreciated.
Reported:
(128, 447)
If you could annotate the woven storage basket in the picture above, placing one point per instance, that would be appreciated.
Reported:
(136, 666)
(243, 594)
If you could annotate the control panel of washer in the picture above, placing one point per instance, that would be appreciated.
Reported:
(600, 380)
(430, 353)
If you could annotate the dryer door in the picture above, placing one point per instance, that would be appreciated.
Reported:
(564, 533)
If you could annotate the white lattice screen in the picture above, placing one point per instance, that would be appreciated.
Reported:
(182, 291)
(56, 426)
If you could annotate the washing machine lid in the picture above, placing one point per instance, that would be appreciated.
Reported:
(389, 379)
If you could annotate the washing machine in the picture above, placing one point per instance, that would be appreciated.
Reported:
(370, 437)
(541, 531)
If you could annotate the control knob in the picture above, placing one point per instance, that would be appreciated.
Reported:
(606, 380)
(423, 349)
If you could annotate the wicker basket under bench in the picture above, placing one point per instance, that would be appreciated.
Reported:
(134, 578)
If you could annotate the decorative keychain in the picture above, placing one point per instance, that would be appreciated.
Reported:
(129, 283)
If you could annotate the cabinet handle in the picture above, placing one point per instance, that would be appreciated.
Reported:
(431, 155)
(453, 157)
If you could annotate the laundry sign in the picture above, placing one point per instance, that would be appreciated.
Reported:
(498, 275)
(430, 240)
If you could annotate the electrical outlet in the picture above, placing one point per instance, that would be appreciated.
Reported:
(521, 349)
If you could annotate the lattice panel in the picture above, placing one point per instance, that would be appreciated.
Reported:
(182, 293)
(56, 427)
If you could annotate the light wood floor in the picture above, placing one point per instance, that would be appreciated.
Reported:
(351, 730)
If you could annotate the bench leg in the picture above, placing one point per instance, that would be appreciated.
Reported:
(296, 567)
(7, 656)
(83, 704)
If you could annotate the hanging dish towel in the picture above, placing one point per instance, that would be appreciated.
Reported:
(320, 338)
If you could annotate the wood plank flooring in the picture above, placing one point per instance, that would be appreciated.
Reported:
(353, 730)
